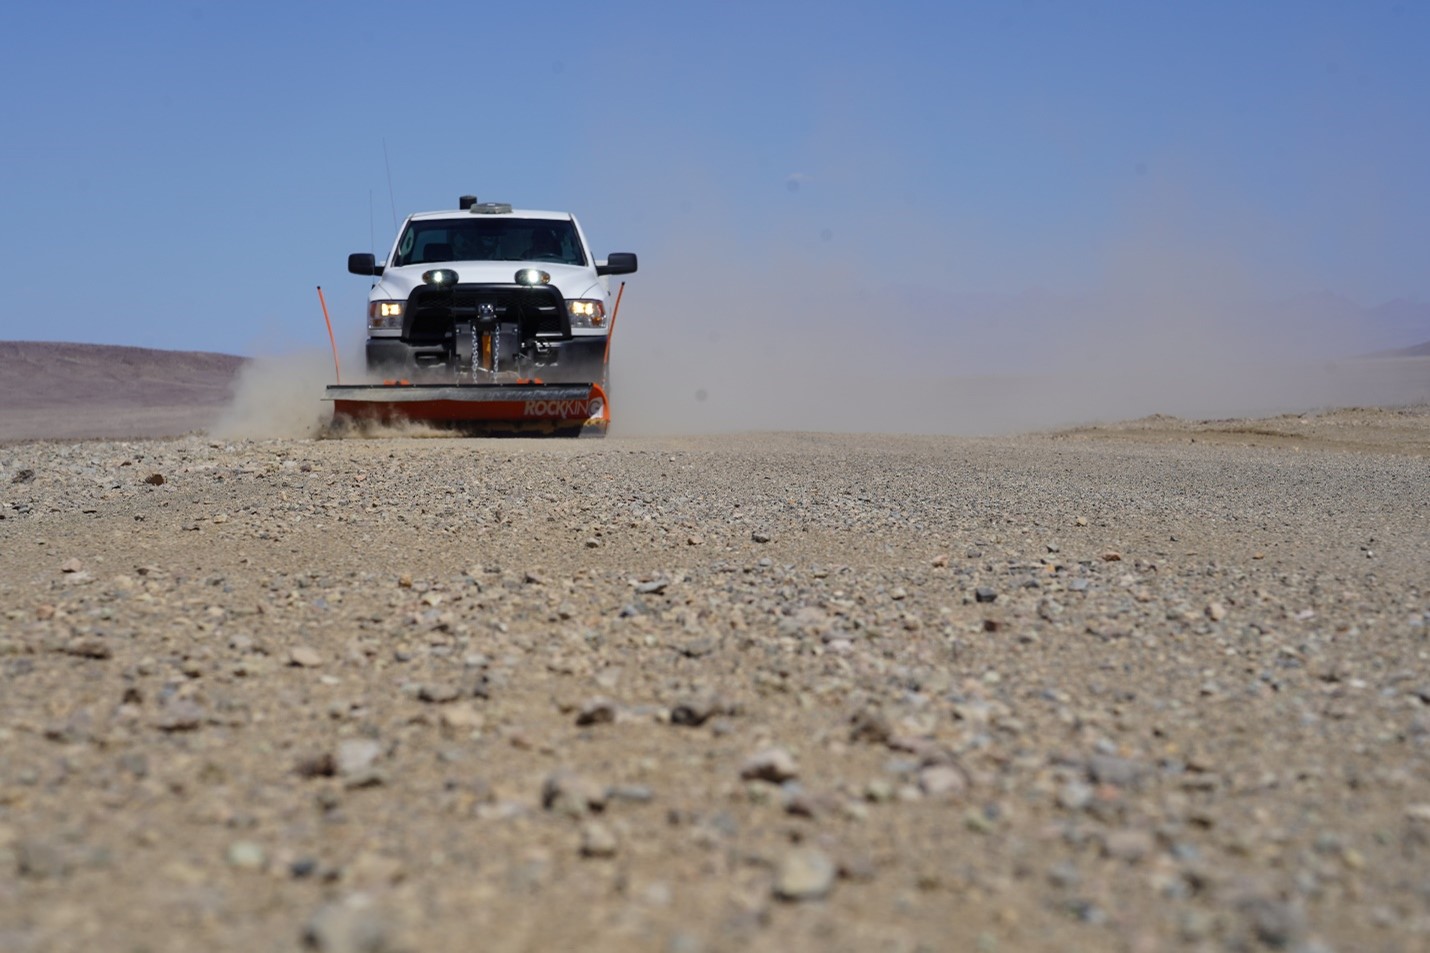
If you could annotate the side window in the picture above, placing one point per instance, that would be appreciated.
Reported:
(571, 252)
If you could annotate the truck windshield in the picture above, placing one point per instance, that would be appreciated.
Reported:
(489, 238)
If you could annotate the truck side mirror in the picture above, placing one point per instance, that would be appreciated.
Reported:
(363, 263)
(617, 263)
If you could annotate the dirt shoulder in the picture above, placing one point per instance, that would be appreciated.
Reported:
(1404, 431)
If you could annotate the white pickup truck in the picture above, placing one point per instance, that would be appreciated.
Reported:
(487, 293)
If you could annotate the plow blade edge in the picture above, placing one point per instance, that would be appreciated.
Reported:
(521, 408)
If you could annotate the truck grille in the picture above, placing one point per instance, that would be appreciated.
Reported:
(433, 310)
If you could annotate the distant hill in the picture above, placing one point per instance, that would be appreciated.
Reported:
(72, 391)
(1419, 350)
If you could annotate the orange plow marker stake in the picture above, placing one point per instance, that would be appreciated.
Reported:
(328, 321)
(611, 331)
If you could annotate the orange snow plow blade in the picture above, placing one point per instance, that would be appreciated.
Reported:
(518, 408)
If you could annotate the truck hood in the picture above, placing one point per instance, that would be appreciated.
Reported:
(573, 281)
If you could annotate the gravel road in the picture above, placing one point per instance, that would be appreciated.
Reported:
(1161, 686)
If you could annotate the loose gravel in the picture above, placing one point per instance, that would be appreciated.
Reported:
(1156, 687)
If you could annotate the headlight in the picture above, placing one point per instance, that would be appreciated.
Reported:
(587, 312)
(440, 276)
(383, 315)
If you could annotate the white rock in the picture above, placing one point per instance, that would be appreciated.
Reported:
(805, 874)
(304, 656)
(775, 765)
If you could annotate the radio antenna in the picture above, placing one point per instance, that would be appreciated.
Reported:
(371, 228)
(390, 198)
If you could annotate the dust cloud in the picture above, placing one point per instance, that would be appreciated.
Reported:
(368, 429)
(281, 397)
(716, 335)
(277, 397)
(796, 342)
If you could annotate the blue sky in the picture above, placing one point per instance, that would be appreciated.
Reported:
(183, 174)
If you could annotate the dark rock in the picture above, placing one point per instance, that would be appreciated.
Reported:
(597, 711)
(694, 712)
